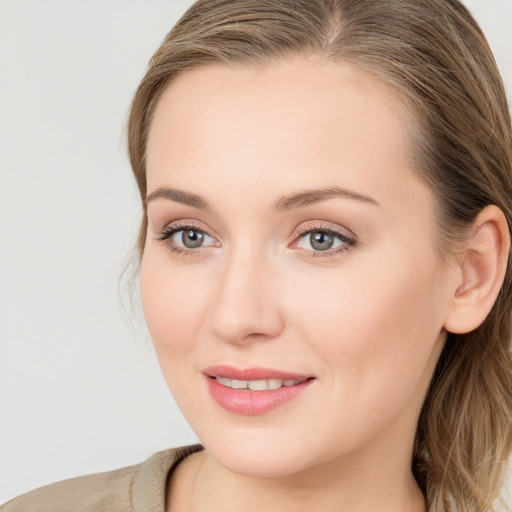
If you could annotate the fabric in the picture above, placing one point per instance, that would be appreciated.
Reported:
(138, 488)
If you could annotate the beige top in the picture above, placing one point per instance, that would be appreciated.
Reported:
(139, 488)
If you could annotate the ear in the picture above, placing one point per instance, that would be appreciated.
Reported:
(481, 265)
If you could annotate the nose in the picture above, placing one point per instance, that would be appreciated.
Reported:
(246, 305)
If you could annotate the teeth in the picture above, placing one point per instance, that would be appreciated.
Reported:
(274, 383)
(237, 384)
(224, 381)
(257, 385)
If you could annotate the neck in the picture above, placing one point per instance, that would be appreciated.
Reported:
(215, 489)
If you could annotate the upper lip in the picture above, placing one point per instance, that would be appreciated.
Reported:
(254, 373)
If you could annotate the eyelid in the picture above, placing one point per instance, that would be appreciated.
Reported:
(348, 238)
(316, 225)
(181, 222)
(166, 234)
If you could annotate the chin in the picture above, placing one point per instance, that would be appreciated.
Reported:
(265, 465)
(264, 455)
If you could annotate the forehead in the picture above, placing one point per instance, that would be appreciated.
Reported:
(306, 122)
(301, 89)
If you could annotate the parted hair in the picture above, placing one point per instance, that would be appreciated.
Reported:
(435, 57)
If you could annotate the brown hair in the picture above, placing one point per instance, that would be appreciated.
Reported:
(435, 56)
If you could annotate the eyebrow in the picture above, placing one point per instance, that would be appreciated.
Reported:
(309, 197)
(297, 200)
(178, 196)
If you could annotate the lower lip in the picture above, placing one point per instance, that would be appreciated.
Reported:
(252, 403)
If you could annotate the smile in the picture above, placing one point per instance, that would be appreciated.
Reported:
(253, 391)
(257, 385)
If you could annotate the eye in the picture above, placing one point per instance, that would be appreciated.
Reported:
(190, 238)
(323, 241)
(185, 238)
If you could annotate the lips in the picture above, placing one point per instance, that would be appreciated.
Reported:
(253, 391)
(251, 373)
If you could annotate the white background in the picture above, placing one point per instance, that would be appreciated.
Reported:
(79, 391)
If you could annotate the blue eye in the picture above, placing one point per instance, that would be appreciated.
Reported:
(184, 238)
(322, 240)
(315, 241)
(190, 238)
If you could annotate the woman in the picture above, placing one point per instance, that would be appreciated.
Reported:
(324, 261)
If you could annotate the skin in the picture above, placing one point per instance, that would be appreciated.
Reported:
(368, 322)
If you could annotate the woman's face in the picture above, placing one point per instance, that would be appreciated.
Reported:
(290, 245)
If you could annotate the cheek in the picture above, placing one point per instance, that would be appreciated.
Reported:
(173, 300)
(375, 327)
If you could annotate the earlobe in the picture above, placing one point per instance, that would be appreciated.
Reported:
(482, 266)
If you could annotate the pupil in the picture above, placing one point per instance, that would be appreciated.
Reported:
(192, 238)
(321, 241)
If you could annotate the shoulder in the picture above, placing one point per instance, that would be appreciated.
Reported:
(84, 493)
(140, 487)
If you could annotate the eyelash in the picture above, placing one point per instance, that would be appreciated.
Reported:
(166, 234)
(348, 242)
